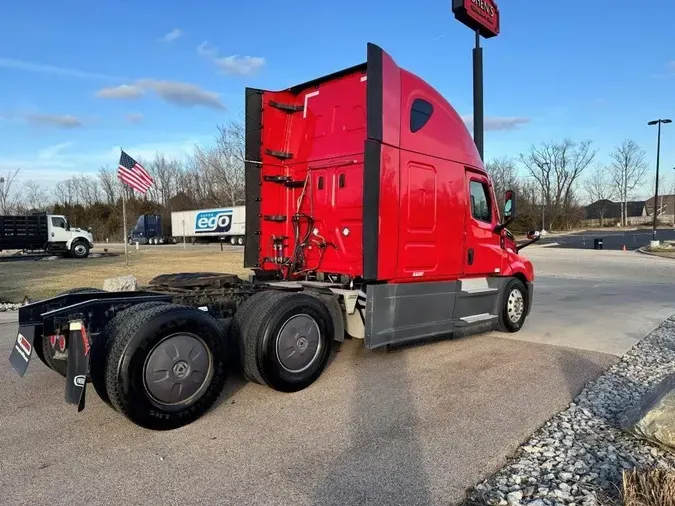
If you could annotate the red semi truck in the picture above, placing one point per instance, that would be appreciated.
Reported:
(369, 215)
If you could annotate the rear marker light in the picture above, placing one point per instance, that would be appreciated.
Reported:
(345, 231)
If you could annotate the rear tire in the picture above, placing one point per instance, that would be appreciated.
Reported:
(233, 240)
(240, 241)
(286, 341)
(514, 305)
(100, 348)
(142, 373)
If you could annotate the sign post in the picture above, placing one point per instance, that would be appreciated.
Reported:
(482, 16)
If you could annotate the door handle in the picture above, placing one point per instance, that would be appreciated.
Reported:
(470, 259)
(52, 234)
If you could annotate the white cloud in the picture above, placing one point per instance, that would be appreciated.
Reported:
(174, 92)
(497, 123)
(52, 152)
(122, 92)
(174, 34)
(54, 120)
(240, 66)
(204, 49)
(135, 118)
(183, 94)
(53, 69)
(233, 65)
(54, 163)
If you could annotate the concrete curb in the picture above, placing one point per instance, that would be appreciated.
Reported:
(9, 317)
(645, 252)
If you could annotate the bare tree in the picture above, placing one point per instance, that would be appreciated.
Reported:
(662, 202)
(503, 172)
(557, 166)
(64, 192)
(7, 197)
(85, 189)
(166, 174)
(627, 171)
(109, 184)
(599, 188)
(35, 196)
(219, 170)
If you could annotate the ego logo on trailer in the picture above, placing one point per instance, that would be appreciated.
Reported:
(213, 221)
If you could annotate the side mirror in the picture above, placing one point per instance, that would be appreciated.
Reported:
(509, 206)
(509, 211)
(532, 236)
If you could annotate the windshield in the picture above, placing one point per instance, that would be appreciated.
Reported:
(139, 224)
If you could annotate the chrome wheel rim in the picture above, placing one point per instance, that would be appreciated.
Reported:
(177, 371)
(80, 249)
(298, 343)
(515, 305)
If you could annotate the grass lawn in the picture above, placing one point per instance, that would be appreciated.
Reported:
(40, 279)
(665, 250)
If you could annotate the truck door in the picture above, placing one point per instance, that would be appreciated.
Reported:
(57, 229)
(484, 254)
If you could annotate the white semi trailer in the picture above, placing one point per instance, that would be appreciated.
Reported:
(221, 223)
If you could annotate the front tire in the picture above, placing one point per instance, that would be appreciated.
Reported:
(79, 249)
(514, 307)
(166, 366)
(286, 341)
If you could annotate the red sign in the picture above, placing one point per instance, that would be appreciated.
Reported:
(481, 15)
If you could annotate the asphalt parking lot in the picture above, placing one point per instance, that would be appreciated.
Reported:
(413, 426)
(612, 239)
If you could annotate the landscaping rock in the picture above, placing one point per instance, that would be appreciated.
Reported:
(653, 416)
(49, 259)
(578, 456)
(121, 284)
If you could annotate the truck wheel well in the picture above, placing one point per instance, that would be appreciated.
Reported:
(335, 311)
(521, 277)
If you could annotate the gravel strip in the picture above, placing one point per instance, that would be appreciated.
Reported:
(8, 306)
(578, 455)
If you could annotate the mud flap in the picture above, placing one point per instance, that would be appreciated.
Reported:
(78, 364)
(23, 349)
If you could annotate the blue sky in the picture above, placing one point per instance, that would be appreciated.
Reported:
(80, 78)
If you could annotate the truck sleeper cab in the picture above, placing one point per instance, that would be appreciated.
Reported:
(369, 174)
(368, 215)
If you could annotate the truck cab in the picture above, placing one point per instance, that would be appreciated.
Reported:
(62, 237)
(148, 230)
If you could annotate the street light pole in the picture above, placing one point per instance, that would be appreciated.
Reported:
(673, 208)
(2, 194)
(478, 115)
(658, 155)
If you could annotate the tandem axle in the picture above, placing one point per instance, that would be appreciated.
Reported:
(161, 356)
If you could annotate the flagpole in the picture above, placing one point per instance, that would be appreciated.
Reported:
(124, 221)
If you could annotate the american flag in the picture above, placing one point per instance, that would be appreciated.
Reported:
(132, 173)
